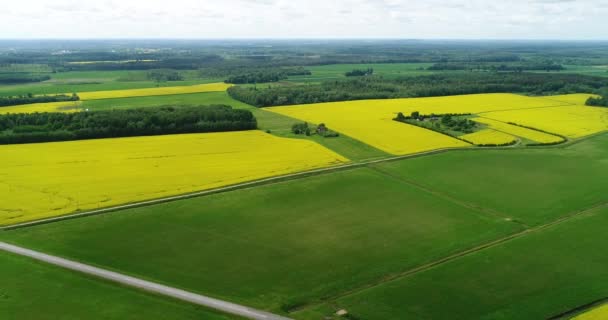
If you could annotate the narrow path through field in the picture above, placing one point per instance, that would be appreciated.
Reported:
(224, 306)
(471, 206)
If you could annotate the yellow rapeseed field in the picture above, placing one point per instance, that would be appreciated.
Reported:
(570, 121)
(160, 91)
(69, 106)
(370, 120)
(600, 313)
(578, 99)
(51, 179)
(529, 134)
(489, 136)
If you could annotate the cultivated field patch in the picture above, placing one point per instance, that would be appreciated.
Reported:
(370, 121)
(599, 313)
(113, 94)
(276, 246)
(527, 185)
(489, 137)
(533, 135)
(536, 276)
(50, 179)
(66, 106)
(570, 121)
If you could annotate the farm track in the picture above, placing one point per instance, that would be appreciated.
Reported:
(155, 288)
(278, 179)
(436, 263)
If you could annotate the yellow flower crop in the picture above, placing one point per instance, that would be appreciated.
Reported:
(489, 136)
(51, 179)
(160, 91)
(529, 134)
(570, 121)
(68, 106)
(600, 313)
(370, 120)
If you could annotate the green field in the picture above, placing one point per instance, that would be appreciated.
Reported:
(87, 81)
(276, 246)
(533, 277)
(529, 185)
(32, 290)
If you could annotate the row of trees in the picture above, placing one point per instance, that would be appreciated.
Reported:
(360, 72)
(262, 75)
(43, 127)
(516, 67)
(18, 78)
(421, 86)
(30, 98)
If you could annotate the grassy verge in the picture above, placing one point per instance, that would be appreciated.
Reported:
(32, 290)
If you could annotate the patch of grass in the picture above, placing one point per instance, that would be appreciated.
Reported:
(530, 185)
(32, 290)
(533, 277)
(277, 245)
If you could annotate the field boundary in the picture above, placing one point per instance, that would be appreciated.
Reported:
(579, 310)
(152, 287)
(277, 179)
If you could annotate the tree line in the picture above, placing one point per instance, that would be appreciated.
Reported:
(30, 98)
(45, 127)
(421, 86)
(19, 78)
(360, 72)
(515, 67)
(262, 75)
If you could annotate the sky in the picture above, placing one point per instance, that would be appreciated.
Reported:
(403, 19)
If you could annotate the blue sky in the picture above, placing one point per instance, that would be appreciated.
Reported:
(435, 19)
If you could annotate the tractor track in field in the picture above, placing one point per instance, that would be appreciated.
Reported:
(152, 287)
(468, 205)
(447, 259)
(276, 179)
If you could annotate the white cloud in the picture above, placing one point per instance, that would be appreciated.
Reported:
(460, 19)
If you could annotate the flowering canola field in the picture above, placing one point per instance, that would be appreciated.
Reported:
(51, 179)
(529, 134)
(489, 136)
(69, 106)
(600, 313)
(370, 121)
(161, 91)
(570, 121)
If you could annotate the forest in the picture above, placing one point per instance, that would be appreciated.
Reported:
(45, 127)
(420, 86)
(30, 98)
